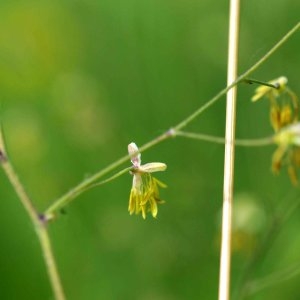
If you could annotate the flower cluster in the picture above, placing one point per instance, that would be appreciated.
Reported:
(284, 106)
(288, 151)
(144, 194)
(284, 103)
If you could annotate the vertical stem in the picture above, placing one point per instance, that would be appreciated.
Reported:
(37, 222)
(225, 257)
(50, 262)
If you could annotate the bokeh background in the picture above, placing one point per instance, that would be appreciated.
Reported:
(79, 80)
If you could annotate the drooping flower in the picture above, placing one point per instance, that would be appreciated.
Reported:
(270, 92)
(288, 151)
(284, 104)
(284, 109)
(289, 135)
(144, 194)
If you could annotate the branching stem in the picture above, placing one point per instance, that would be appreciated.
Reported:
(170, 133)
(220, 140)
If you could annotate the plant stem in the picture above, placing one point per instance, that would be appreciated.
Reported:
(250, 81)
(74, 192)
(220, 140)
(170, 133)
(50, 262)
(225, 256)
(38, 223)
(241, 78)
(63, 201)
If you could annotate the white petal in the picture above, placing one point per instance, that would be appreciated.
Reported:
(133, 151)
(153, 167)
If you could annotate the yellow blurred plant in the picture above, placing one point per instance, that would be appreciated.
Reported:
(283, 101)
(284, 105)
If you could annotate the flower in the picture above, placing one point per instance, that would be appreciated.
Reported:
(284, 108)
(284, 102)
(144, 194)
(288, 151)
(271, 92)
(289, 135)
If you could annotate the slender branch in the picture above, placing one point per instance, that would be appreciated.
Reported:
(225, 255)
(50, 262)
(220, 140)
(170, 133)
(63, 201)
(124, 171)
(255, 142)
(241, 78)
(15, 182)
(251, 81)
(270, 52)
(35, 219)
(74, 192)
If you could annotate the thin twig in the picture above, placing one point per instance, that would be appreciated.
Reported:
(241, 78)
(35, 219)
(220, 140)
(50, 262)
(170, 133)
(74, 192)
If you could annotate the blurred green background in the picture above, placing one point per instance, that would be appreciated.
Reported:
(79, 80)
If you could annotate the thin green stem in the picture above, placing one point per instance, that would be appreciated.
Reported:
(36, 221)
(170, 133)
(50, 262)
(20, 191)
(241, 78)
(59, 203)
(124, 171)
(63, 201)
(220, 140)
(254, 142)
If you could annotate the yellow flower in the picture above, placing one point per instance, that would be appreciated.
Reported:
(284, 102)
(288, 151)
(144, 194)
(289, 135)
(271, 92)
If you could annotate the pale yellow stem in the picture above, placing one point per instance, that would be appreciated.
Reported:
(225, 257)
